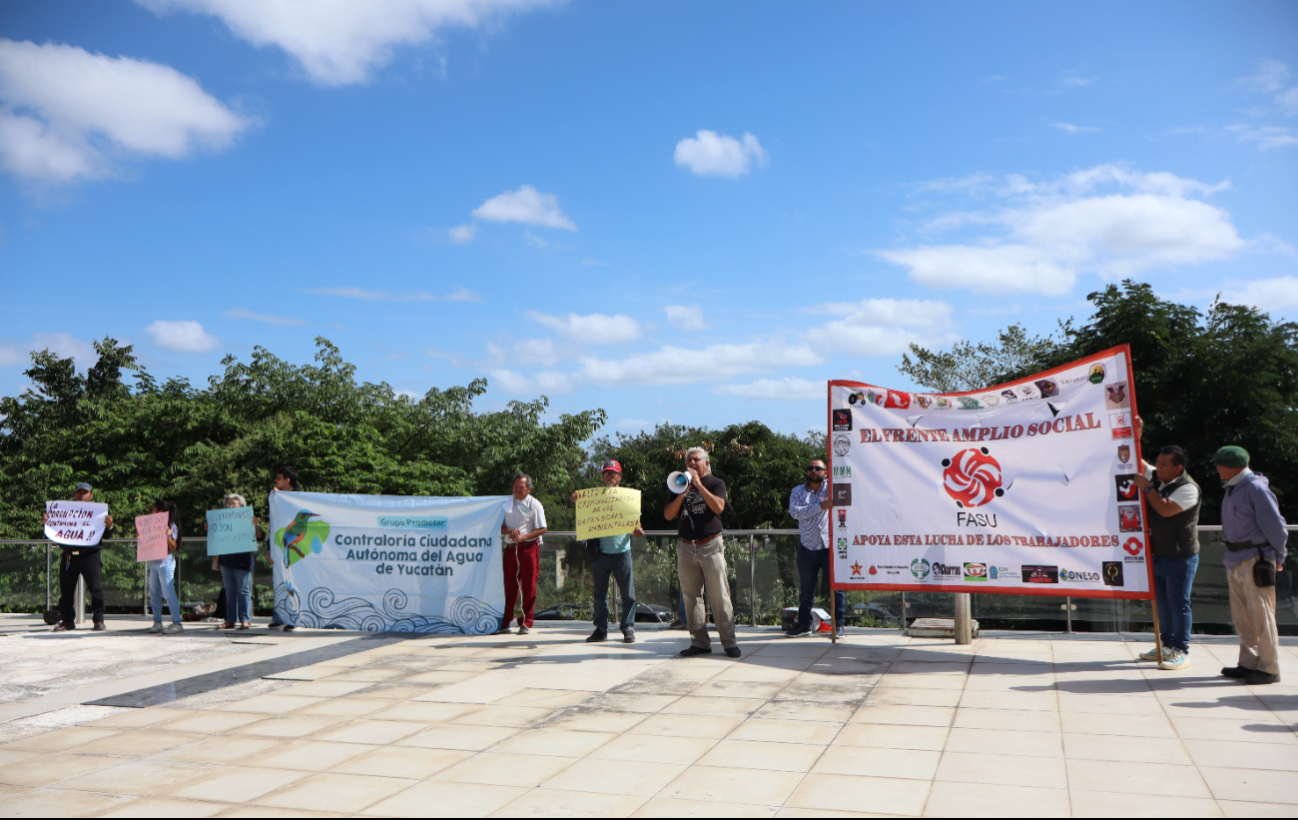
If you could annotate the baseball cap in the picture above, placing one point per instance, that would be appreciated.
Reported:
(84, 486)
(611, 465)
(1233, 456)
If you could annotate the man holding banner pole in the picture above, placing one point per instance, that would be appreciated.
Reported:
(1173, 499)
(611, 555)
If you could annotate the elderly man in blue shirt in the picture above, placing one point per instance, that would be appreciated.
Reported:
(1256, 543)
(809, 505)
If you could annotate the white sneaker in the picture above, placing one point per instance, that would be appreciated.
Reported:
(156, 629)
(1152, 655)
(172, 629)
(1175, 659)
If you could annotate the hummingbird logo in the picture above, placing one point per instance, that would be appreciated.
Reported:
(302, 537)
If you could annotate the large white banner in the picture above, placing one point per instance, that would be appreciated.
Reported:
(382, 563)
(1023, 488)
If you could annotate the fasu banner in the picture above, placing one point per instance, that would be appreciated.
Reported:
(382, 563)
(1023, 488)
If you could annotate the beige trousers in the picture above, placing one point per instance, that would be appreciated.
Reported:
(700, 567)
(1253, 609)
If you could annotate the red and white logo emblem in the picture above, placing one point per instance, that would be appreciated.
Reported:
(972, 478)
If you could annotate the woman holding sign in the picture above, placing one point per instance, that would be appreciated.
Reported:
(236, 574)
(162, 574)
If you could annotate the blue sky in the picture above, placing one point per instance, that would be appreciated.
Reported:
(693, 213)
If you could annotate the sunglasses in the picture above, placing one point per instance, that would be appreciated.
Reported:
(811, 468)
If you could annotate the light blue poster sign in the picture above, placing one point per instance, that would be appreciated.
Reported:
(230, 530)
(381, 563)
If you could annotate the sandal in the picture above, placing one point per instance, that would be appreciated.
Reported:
(225, 626)
(245, 625)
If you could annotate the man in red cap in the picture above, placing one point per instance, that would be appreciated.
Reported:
(612, 556)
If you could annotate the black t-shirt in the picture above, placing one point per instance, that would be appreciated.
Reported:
(696, 521)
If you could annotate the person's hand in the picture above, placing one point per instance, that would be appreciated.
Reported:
(574, 496)
(204, 526)
(1139, 424)
(826, 504)
(694, 476)
(216, 563)
(108, 521)
(1142, 482)
(638, 532)
(44, 517)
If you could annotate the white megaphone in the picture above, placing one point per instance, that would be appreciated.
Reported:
(678, 482)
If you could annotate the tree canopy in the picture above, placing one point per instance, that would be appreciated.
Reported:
(136, 444)
(1202, 380)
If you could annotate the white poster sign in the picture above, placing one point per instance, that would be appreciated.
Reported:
(1023, 488)
(388, 563)
(75, 523)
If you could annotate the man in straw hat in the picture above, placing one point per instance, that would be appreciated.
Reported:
(1254, 533)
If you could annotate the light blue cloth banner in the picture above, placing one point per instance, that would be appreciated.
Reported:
(382, 563)
(230, 530)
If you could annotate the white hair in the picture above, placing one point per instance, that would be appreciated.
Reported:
(706, 457)
(243, 502)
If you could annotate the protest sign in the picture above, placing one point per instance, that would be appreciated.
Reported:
(1024, 488)
(605, 511)
(151, 536)
(381, 563)
(75, 523)
(230, 530)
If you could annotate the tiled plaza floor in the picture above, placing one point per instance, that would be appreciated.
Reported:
(1031, 725)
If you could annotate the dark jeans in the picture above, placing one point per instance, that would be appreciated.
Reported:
(811, 562)
(1173, 578)
(70, 568)
(618, 565)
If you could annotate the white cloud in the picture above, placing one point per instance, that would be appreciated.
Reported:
(463, 234)
(183, 336)
(67, 114)
(1271, 77)
(527, 352)
(535, 241)
(1074, 81)
(1107, 220)
(1267, 137)
(463, 294)
(996, 269)
(595, 328)
(1266, 294)
(668, 365)
(62, 345)
(775, 390)
(686, 317)
(341, 42)
(244, 313)
(1069, 128)
(708, 153)
(526, 205)
(881, 327)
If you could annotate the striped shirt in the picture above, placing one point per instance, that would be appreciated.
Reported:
(813, 522)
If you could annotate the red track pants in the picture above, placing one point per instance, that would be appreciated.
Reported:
(522, 568)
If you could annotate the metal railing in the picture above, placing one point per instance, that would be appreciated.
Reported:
(763, 580)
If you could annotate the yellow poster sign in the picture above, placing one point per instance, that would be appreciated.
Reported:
(605, 511)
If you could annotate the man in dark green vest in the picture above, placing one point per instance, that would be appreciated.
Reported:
(1172, 501)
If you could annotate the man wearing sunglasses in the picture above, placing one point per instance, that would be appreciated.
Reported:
(809, 505)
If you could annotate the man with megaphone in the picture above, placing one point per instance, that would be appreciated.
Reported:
(700, 555)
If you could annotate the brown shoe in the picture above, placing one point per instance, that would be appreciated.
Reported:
(100, 626)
